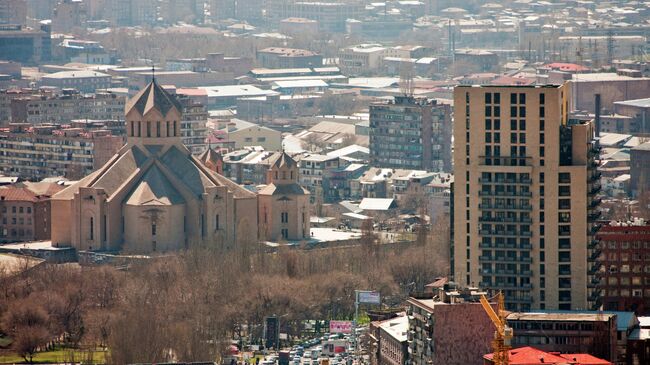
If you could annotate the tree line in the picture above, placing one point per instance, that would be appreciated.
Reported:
(189, 306)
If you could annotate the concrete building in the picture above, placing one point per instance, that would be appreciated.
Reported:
(476, 60)
(188, 11)
(271, 107)
(411, 133)
(392, 341)
(244, 133)
(362, 59)
(639, 112)
(36, 152)
(640, 169)
(525, 185)
(315, 171)
(278, 57)
(194, 130)
(13, 12)
(331, 16)
(611, 87)
(298, 26)
(69, 14)
(61, 108)
(623, 250)
(283, 203)
(131, 12)
(25, 211)
(25, 45)
(566, 332)
(84, 81)
(137, 200)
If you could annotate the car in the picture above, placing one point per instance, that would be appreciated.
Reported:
(314, 362)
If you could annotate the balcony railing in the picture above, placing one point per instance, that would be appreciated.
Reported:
(505, 207)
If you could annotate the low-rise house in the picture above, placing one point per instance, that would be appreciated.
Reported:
(246, 134)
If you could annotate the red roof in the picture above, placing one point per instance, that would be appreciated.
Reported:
(17, 194)
(509, 80)
(532, 356)
(571, 67)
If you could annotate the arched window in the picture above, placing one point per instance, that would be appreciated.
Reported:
(276, 175)
(167, 130)
(139, 129)
(148, 129)
(291, 175)
(132, 128)
(158, 129)
(174, 128)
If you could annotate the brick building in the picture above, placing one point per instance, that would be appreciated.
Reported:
(25, 211)
(624, 251)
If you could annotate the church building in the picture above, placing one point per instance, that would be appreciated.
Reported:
(283, 203)
(153, 195)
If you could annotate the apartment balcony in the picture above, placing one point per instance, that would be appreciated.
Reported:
(505, 193)
(525, 246)
(593, 283)
(520, 299)
(504, 207)
(526, 259)
(525, 273)
(505, 220)
(594, 255)
(485, 271)
(505, 245)
(487, 232)
(504, 272)
(511, 162)
(505, 181)
(485, 245)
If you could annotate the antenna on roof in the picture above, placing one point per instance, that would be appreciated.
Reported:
(153, 73)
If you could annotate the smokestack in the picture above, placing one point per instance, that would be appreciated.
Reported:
(597, 114)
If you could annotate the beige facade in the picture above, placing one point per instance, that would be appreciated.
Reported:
(524, 192)
(283, 203)
(153, 195)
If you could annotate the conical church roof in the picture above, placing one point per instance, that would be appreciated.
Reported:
(210, 156)
(284, 160)
(153, 96)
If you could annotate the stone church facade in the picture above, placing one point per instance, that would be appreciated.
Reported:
(153, 195)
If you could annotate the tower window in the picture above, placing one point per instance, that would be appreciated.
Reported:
(158, 129)
(148, 129)
(167, 130)
(92, 228)
(284, 216)
(174, 128)
(291, 175)
(153, 229)
(132, 128)
(139, 129)
(216, 222)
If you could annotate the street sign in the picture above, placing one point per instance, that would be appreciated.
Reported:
(368, 297)
(340, 326)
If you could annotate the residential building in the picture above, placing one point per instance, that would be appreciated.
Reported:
(298, 26)
(187, 11)
(331, 16)
(283, 212)
(84, 81)
(154, 195)
(362, 59)
(566, 332)
(623, 249)
(315, 171)
(194, 130)
(392, 341)
(278, 57)
(640, 169)
(330, 136)
(438, 329)
(25, 45)
(245, 134)
(271, 107)
(525, 200)
(61, 108)
(411, 133)
(268, 75)
(25, 211)
(132, 12)
(13, 12)
(69, 14)
(249, 165)
(36, 152)
(476, 60)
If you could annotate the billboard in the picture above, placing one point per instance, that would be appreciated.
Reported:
(368, 297)
(340, 326)
(271, 332)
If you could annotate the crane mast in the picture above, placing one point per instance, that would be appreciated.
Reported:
(502, 334)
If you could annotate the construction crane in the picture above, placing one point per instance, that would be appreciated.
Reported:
(502, 334)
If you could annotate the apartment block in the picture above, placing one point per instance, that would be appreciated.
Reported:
(25, 45)
(37, 152)
(193, 126)
(624, 251)
(13, 12)
(525, 196)
(39, 108)
(331, 16)
(411, 133)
